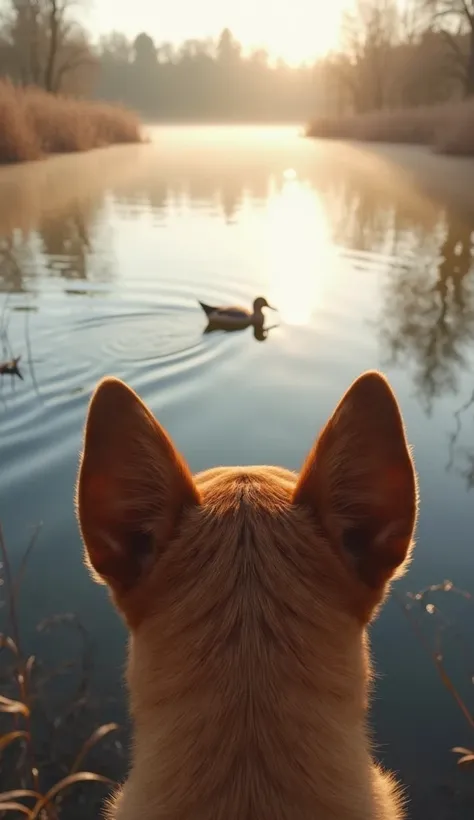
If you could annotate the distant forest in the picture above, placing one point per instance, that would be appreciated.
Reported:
(42, 43)
(390, 55)
(203, 79)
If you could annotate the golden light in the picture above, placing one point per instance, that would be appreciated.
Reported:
(300, 257)
(310, 29)
(297, 31)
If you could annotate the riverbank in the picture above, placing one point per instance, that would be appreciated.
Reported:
(34, 124)
(447, 128)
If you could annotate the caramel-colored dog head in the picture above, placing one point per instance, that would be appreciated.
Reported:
(246, 591)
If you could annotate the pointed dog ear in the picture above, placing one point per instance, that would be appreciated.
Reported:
(132, 488)
(359, 480)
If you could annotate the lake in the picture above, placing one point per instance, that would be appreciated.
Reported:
(368, 255)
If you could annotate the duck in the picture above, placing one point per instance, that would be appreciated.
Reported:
(11, 368)
(235, 317)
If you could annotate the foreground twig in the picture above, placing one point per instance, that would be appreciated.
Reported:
(47, 794)
(436, 655)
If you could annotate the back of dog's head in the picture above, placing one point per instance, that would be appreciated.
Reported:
(157, 535)
(247, 585)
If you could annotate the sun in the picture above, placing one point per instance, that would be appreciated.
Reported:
(303, 31)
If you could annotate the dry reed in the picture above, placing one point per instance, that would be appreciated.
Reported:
(445, 632)
(34, 124)
(448, 128)
(36, 770)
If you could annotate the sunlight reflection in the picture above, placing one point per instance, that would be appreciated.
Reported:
(300, 256)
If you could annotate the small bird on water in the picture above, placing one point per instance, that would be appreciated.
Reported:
(235, 317)
(10, 368)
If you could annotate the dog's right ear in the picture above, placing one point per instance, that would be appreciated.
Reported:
(359, 481)
(132, 488)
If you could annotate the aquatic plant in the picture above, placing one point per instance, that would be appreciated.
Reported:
(35, 770)
(416, 607)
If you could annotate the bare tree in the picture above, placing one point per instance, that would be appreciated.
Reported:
(46, 42)
(455, 19)
(415, 20)
(369, 34)
(76, 65)
(67, 47)
(22, 30)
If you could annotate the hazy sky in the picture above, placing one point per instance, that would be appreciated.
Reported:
(293, 29)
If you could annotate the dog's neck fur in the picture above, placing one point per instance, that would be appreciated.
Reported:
(175, 775)
(253, 732)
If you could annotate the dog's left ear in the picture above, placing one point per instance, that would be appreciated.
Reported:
(133, 486)
(359, 482)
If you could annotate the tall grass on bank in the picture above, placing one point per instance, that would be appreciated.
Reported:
(44, 740)
(34, 123)
(447, 128)
(445, 633)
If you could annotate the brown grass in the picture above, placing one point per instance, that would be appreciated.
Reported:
(447, 128)
(39, 767)
(34, 123)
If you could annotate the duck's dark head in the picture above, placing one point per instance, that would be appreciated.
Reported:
(260, 303)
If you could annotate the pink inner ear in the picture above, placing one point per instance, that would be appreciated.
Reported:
(133, 485)
(360, 483)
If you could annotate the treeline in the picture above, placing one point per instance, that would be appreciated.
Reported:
(391, 55)
(41, 43)
(203, 79)
(400, 55)
(405, 73)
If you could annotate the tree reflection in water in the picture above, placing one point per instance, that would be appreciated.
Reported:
(429, 324)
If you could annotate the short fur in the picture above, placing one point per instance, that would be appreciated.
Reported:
(247, 592)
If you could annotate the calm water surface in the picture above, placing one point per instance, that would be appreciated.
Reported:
(369, 257)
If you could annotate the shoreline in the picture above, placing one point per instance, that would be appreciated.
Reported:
(35, 124)
(447, 128)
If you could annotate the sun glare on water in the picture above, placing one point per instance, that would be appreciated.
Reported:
(299, 254)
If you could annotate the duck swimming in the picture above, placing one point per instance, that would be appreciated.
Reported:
(11, 368)
(236, 317)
